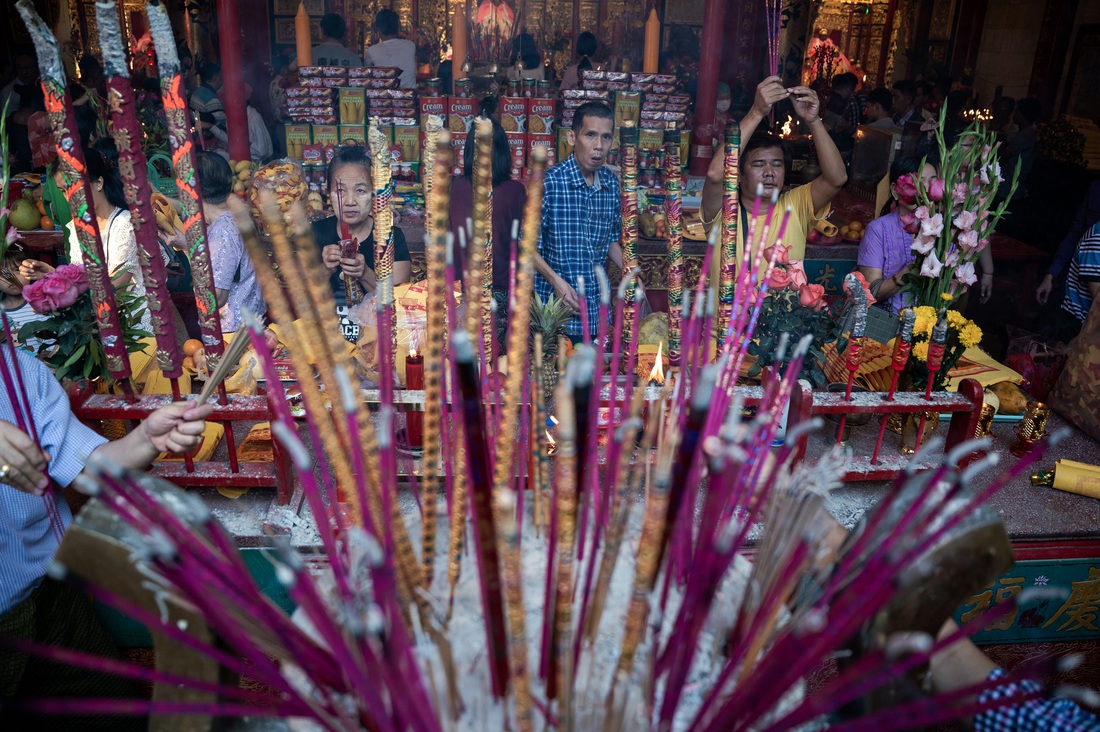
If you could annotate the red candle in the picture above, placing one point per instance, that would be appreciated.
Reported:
(414, 379)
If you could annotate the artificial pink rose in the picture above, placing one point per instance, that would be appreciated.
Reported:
(923, 244)
(906, 189)
(798, 275)
(909, 222)
(922, 213)
(936, 189)
(779, 278)
(810, 296)
(932, 226)
(61, 290)
(781, 257)
(931, 266)
(73, 274)
(966, 219)
(965, 273)
(968, 240)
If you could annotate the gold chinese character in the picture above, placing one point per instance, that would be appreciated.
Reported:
(827, 278)
(1083, 603)
(1009, 589)
(981, 603)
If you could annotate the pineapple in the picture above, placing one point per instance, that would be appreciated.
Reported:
(549, 319)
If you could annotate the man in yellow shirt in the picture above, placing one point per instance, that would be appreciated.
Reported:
(764, 158)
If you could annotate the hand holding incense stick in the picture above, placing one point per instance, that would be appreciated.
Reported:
(226, 366)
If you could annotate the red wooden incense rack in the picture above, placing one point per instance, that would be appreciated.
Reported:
(965, 404)
(210, 474)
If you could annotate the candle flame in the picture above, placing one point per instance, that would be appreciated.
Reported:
(657, 373)
(785, 131)
(412, 353)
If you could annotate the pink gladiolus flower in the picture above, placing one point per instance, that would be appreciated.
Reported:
(781, 258)
(5, 211)
(932, 265)
(779, 278)
(922, 213)
(958, 192)
(909, 222)
(12, 235)
(965, 273)
(798, 274)
(936, 189)
(952, 258)
(810, 296)
(932, 226)
(923, 244)
(982, 244)
(966, 219)
(968, 240)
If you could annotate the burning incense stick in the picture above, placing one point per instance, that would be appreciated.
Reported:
(78, 191)
(382, 210)
(479, 273)
(438, 198)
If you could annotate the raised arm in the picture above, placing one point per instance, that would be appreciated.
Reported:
(768, 92)
(833, 174)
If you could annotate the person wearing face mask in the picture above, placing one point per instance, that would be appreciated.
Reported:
(764, 159)
(581, 218)
(722, 108)
(351, 191)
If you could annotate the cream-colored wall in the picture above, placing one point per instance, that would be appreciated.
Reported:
(1007, 53)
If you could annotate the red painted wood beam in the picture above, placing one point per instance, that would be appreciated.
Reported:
(229, 43)
(706, 96)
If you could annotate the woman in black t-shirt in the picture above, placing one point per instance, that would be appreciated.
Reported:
(351, 190)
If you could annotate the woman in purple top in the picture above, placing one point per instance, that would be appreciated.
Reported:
(509, 198)
(885, 251)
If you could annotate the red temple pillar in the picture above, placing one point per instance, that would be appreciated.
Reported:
(229, 43)
(706, 95)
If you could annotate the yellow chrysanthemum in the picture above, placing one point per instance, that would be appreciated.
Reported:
(956, 320)
(920, 351)
(946, 297)
(970, 335)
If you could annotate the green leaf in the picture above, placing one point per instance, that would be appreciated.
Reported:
(75, 355)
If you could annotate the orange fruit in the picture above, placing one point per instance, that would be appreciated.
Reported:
(190, 346)
(45, 222)
(41, 207)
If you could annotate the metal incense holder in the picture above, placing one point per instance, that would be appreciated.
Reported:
(1032, 428)
(985, 421)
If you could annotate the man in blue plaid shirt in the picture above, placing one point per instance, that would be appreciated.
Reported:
(581, 218)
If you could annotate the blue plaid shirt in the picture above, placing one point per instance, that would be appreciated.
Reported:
(1033, 715)
(579, 222)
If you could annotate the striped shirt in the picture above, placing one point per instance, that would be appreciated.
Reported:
(1083, 269)
(27, 542)
(579, 222)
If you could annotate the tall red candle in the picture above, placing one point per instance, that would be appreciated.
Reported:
(414, 380)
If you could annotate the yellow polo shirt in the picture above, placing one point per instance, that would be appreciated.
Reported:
(803, 219)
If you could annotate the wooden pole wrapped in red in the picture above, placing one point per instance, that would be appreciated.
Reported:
(236, 111)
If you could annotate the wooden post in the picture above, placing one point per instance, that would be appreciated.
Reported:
(710, 54)
(236, 116)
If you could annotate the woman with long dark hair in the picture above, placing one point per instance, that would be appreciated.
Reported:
(586, 51)
(509, 198)
(115, 229)
(524, 49)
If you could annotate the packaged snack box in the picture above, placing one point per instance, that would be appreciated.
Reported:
(517, 148)
(548, 142)
(352, 134)
(353, 106)
(460, 114)
(627, 107)
(325, 135)
(297, 137)
(513, 114)
(408, 139)
(540, 116)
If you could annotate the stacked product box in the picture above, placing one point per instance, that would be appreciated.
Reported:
(461, 111)
(540, 125)
(513, 118)
(314, 100)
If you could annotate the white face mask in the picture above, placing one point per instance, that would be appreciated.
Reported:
(723, 106)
